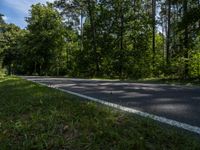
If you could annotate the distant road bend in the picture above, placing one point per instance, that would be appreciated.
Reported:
(180, 103)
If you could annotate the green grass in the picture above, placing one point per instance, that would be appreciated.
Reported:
(37, 117)
(166, 80)
(173, 81)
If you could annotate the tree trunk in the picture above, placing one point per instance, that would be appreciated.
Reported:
(153, 29)
(168, 34)
(163, 40)
(9, 69)
(35, 67)
(186, 46)
(81, 30)
(121, 40)
(92, 21)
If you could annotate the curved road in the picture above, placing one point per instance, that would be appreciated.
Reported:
(180, 103)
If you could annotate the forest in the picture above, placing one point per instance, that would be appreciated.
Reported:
(126, 39)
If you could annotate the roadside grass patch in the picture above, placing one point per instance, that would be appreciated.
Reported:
(161, 80)
(37, 117)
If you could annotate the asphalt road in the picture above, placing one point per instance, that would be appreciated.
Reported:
(180, 103)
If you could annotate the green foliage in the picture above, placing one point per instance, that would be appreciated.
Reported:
(104, 38)
(194, 62)
(45, 38)
(2, 24)
(11, 35)
(2, 73)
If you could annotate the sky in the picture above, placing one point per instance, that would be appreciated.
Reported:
(15, 11)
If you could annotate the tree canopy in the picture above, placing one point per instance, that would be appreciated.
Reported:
(115, 39)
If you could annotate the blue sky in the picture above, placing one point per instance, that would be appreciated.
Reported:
(15, 11)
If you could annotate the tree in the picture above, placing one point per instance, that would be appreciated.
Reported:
(168, 32)
(1, 19)
(2, 26)
(153, 29)
(45, 38)
(120, 38)
(11, 35)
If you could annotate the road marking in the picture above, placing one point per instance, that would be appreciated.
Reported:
(171, 122)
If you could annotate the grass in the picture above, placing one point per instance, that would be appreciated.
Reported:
(175, 81)
(164, 80)
(37, 117)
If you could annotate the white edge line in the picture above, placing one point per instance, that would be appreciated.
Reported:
(171, 122)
